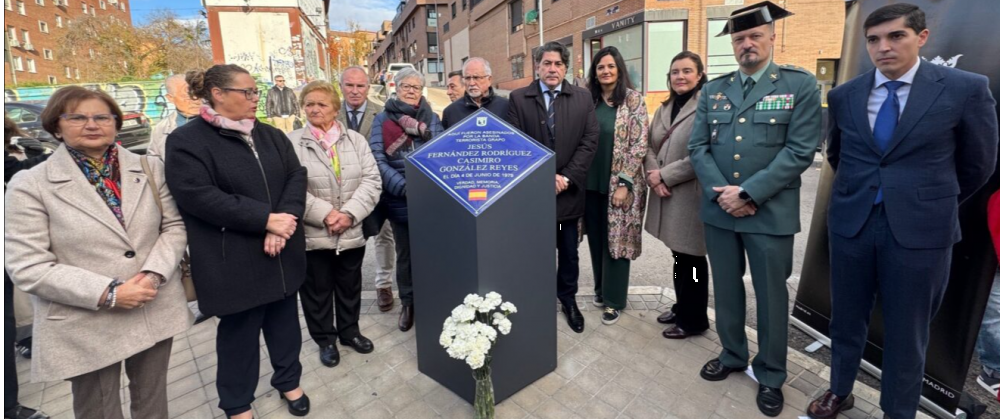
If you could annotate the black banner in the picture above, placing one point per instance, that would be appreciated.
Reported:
(963, 34)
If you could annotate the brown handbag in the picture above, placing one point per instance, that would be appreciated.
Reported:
(186, 279)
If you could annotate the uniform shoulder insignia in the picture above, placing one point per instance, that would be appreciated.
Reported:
(795, 68)
(723, 76)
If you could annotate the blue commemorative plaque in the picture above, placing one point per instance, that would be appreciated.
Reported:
(478, 160)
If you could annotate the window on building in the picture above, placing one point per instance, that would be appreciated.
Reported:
(104, 6)
(59, 21)
(12, 34)
(40, 2)
(517, 67)
(7, 5)
(43, 27)
(52, 80)
(93, 11)
(432, 18)
(69, 73)
(432, 42)
(465, 4)
(629, 44)
(454, 10)
(516, 16)
(666, 40)
(435, 67)
(84, 6)
(20, 8)
(25, 36)
(31, 66)
(18, 64)
(47, 54)
(720, 52)
(447, 27)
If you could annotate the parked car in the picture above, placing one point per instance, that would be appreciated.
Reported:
(134, 134)
(390, 84)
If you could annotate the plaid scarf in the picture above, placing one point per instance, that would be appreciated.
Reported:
(405, 123)
(105, 176)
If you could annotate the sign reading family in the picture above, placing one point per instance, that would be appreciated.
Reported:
(478, 160)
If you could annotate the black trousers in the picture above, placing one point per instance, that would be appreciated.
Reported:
(332, 278)
(10, 335)
(404, 273)
(238, 346)
(692, 297)
(568, 246)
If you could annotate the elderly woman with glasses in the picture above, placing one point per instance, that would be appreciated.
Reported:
(242, 193)
(94, 235)
(407, 123)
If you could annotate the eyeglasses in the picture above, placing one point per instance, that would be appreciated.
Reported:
(78, 120)
(409, 87)
(477, 79)
(279, 81)
(249, 93)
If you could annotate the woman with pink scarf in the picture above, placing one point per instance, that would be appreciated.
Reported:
(344, 187)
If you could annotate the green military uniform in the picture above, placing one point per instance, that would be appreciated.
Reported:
(761, 143)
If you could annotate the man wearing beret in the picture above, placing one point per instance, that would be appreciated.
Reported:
(755, 133)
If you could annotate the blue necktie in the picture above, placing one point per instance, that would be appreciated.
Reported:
(551, 120)
(885, 123)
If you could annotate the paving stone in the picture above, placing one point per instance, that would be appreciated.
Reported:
(573, 397)
(642, 409)
(201, 412)
(551, 384)
(529, 399)
(569, 368)
(616, 396)
(552, 409)
(596, 409)
(510, 410)
(417, 410)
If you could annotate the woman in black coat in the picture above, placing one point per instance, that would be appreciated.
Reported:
(241, 191)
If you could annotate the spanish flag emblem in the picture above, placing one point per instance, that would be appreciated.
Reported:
(477, 194)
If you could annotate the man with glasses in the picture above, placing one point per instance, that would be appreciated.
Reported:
(478, 79)
(282, 106)
(456, 89)
(357, 114)
(185, 109)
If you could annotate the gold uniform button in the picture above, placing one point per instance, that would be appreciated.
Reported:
(739, 138)
(736, 175)
(742, 120)
(737, 157)
(773, 121)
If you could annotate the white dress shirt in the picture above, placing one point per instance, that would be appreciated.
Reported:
(548, 99)
(880, 93)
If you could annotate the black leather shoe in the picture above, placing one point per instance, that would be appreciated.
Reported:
(667, 318)
(329, 356)
(677, 333)
(770, 401)
(714, 370)
(21, 412)
(360, 344)
(297, 408)
(406, 318)
(200, 318)
(574, 317)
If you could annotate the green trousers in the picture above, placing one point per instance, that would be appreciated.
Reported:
(610, 275)
(770, 260)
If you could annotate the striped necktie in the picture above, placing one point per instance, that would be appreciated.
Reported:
(551, 120)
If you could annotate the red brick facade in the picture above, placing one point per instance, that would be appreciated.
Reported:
(44, 22)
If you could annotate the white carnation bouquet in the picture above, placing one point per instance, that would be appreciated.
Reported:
(472, 330)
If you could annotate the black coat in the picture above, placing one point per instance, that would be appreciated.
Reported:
(225, 198)
(462, 108)
(576, 137)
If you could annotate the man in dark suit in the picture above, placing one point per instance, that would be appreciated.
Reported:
(562, 117)
(909, 141)
(357, 114)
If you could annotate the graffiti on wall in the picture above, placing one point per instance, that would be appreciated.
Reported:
(145, 97)
(259, 42)
(312, 64)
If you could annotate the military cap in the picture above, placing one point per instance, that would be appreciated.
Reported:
(753, 16)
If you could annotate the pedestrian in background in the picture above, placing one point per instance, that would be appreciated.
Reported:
(12, 165)
(185, 109)
(242, 193)
(282, 106)
(616, 182)
(673, 211)
(407, 123)
(358, 114)
(94, 234)
(344, 187)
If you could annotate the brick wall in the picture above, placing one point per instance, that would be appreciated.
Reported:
(35, 11)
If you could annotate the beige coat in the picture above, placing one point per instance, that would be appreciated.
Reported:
(64, 246)
(674, 220)
(356, 194)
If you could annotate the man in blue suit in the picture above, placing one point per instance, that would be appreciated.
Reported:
(909, 141)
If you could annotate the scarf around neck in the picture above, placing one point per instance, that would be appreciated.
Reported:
(406, 124)
(328, 142)
(244, 126)
(105, 176)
